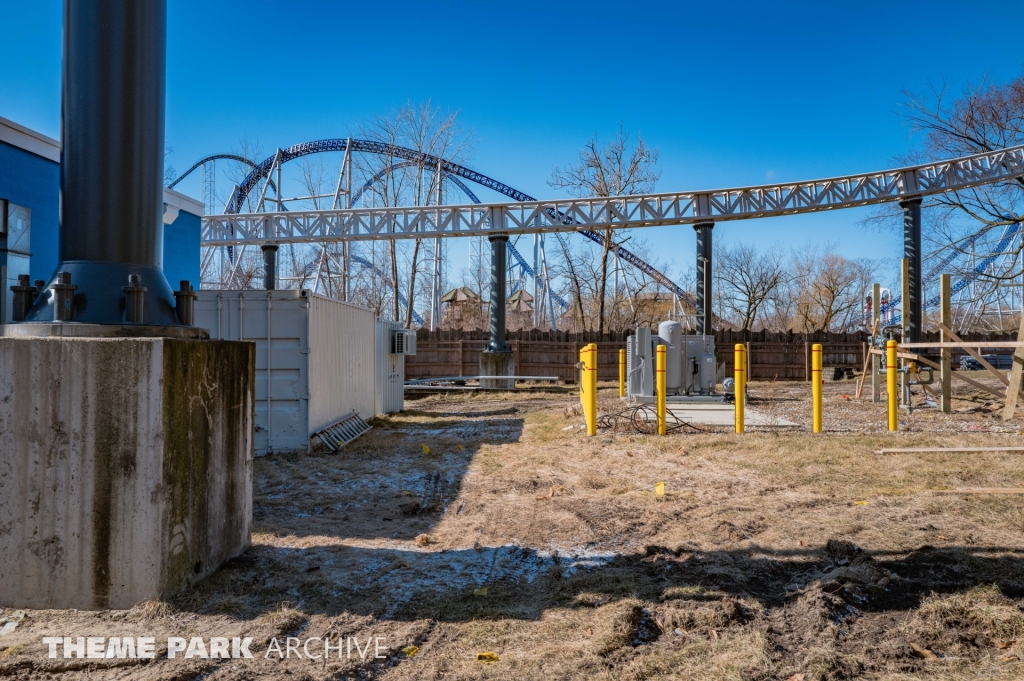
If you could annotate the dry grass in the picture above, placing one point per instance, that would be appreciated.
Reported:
(590, 575)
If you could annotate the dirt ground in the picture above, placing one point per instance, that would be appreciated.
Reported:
(488, 523)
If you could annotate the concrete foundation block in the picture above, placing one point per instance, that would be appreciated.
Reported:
(125, 467)
(497, 364)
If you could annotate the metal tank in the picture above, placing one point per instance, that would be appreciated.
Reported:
(671, 334)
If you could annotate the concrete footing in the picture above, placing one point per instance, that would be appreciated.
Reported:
(125, 467)
(497, 364)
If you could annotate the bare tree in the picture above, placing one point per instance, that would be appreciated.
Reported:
(976, 119)
(747, 280)
(427, 129)
(829, 289)
(611, 169)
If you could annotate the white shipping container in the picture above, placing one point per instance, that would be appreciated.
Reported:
(321, 364)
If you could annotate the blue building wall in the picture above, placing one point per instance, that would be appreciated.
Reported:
(34, 182)
(181, 249)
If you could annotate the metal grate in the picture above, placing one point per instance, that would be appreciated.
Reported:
(341, 433)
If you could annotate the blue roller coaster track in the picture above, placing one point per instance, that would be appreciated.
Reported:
(980, 269)
(450, 170)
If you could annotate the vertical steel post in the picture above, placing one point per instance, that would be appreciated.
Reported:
(704, 281)
(739, 373)
(498, 256)
(346, 247)
(946, 357)
(269, 266)
(537, 274)
(816, 381)
(890, 382)
(876, 360)
(111, 170)
(661, 388)
(912, 305)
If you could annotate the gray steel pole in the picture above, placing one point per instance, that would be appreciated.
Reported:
(703, 311)
(498, 242)
(111, 171)
(269, 266)
(912, 252)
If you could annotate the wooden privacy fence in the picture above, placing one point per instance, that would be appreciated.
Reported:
(772, 355)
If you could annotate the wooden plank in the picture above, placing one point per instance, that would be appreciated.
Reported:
(1015, 378)
(981, 360)
(917, 450)
(863, 374)
(980, 490)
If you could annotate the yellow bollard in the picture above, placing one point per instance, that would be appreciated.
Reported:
(588, 386)
(816, 385)
(890, 381)
(739, 372)
(661, 389)
(622, 373)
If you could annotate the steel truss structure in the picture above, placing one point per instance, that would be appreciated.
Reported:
(528, 216)
(448, 170)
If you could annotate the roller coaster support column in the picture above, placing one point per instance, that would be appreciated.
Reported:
(111, 173)
(497, 359)
(269, 266)
(912, 252)
(703, 311)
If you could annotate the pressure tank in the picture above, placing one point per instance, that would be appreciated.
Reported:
(706, 372)
(671, 333)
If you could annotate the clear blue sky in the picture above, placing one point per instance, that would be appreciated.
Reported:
(731, 93)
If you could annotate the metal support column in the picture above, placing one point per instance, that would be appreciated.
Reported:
(912, 252)
(705, 321)
(497, 343)
(111, 170)
(269, 266)
(435, 282)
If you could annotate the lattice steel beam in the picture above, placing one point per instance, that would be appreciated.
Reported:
(650, 210)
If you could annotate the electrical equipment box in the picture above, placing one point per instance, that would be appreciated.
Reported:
(690, 365)
(403, 342)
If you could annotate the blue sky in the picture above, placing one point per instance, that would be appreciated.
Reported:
(731, 93)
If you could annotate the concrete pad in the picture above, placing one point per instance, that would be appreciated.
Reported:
(125, 467)
(723, 414)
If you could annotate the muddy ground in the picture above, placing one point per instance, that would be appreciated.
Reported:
(488, 523)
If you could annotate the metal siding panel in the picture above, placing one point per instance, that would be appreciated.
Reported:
(341, 357)
(242, 315)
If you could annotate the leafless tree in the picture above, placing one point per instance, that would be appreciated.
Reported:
(429, 130)
(829, 289)
(614, 168)
(747, 278)
(975, 119)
